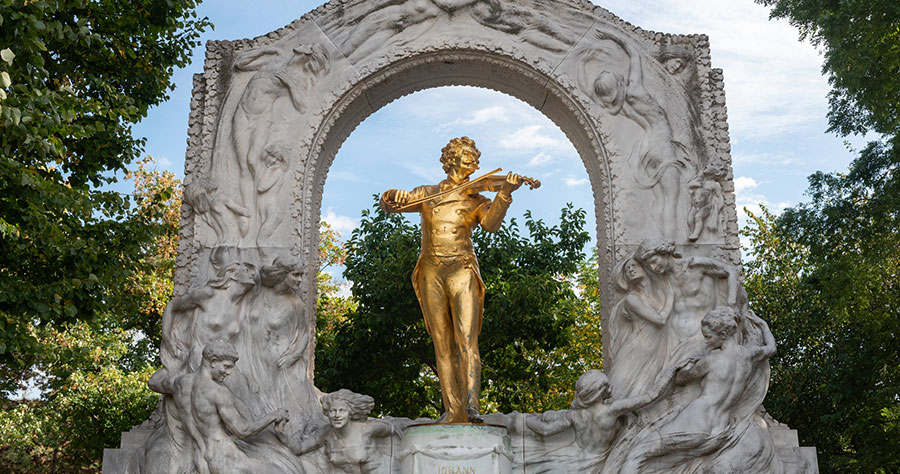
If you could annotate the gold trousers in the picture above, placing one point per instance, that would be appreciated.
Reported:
(451, 294)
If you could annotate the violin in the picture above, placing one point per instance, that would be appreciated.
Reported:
(491, 183)
(485, 182)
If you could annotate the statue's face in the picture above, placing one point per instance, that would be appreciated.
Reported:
(246, 275)
(634, 271)
(714, 339)
(466, 161)
(294, 278)
(339, 414)
(220, 369)
(658, 263)
(674, 65)
(607, 86)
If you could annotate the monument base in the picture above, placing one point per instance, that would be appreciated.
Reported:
(455, 449)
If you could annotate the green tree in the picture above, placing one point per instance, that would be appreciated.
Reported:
(88, 381)
(331, 306)
(826, 274)
(381, 348)
(861, 43)
(75, 75)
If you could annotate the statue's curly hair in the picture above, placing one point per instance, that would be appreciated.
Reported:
(588, 389)
(218, 350)
(452, 148)
(360, 405)
(655, 246)
(722, 319)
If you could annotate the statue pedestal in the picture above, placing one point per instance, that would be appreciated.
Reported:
(455, 449)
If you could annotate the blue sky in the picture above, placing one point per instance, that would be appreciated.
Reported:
(775, 93)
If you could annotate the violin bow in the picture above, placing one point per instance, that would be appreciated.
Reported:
(444, 193)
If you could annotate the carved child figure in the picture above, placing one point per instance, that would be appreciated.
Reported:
(218, 210)
(707, 200)
(218, 422)
(595, 416)
(348, 439)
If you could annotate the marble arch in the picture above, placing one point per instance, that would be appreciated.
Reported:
(665, 106)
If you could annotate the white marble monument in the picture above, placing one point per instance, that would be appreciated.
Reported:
(686, 366)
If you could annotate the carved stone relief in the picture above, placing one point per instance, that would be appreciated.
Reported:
(686, 360)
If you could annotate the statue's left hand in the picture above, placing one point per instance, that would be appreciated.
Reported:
(513, 182)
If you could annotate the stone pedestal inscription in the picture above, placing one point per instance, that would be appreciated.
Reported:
(455, 449)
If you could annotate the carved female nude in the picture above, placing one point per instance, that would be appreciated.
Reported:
(659, 167)
(252, 121)
(203, 315)
(278, 337)
(640, 338)
(268, 189)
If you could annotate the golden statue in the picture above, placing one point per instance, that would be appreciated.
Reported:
(446, 278)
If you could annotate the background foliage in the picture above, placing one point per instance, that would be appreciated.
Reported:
(87, 380)
(531, 352)
(74, 76)
(826, 275)
(825, 272)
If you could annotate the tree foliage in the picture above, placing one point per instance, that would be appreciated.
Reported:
(75, 75)
(381, 347)
(826, 274)
(87, 383)
(861, 43)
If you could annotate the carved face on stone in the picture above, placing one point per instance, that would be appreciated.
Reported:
(245, 275)
(634, 271)
(339, 414)
(310, 58)
(220, 369)
(294, 278)
(674, 65)
(714, 339)
(718, 326)
(658, 263)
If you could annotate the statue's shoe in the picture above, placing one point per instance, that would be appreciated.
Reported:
(474, 416)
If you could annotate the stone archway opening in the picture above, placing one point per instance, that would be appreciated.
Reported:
(483, 71)
(399, 146)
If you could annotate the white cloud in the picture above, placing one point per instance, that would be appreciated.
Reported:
(486, 115)
(529, 138)
(342, 224)
(541, 158)
(743, 184)
(571, 181)
(493, 113)
(164, 162)
(773, 81)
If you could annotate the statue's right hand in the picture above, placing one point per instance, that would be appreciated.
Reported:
(399, 197)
